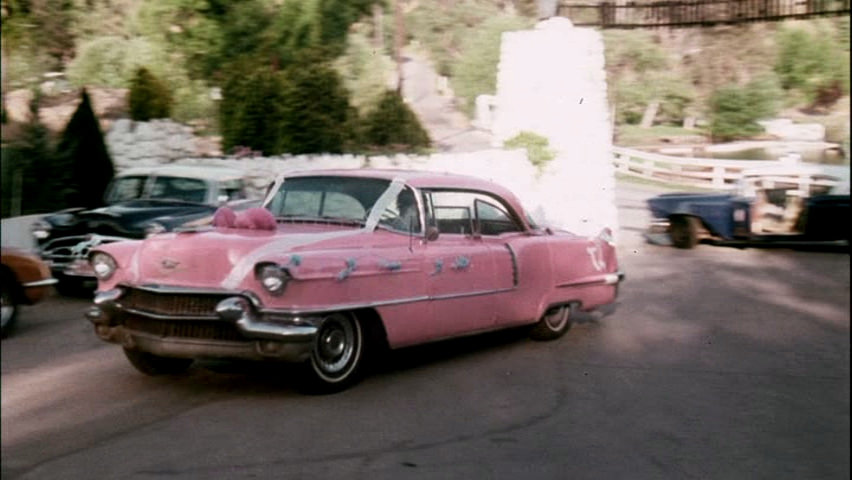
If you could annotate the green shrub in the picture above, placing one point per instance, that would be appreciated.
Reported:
(813, 61)
(364, 72)
(734, 110)
(538, 147)
(251, 110)
(149, 98)
(392, 123)
(315, 109)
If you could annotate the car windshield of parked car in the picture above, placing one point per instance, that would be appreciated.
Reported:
(326, 198)
(179, 188)
(127, 188)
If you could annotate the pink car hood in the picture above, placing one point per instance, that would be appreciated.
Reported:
(221, 258)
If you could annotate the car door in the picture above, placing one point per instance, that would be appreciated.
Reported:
(467, 275)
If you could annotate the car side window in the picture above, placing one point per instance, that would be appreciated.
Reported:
(493, 220)
(403, 214)
(463, 212)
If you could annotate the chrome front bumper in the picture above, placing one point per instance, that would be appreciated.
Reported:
(248, 332)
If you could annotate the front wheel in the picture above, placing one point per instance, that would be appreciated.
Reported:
(151, 364)
(684, 231)
(8, 306)
(553, 324)
(337, 355)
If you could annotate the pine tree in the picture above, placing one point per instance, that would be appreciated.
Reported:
(83, 153)
(149, 98)
(316, 108)
(393, 123)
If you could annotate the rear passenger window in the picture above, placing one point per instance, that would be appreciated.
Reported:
(460, 212)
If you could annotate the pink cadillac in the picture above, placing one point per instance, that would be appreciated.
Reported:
(339, 264)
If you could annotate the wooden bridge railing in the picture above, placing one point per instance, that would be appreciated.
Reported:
(684, 13)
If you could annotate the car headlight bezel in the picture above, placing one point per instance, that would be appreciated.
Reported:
(272, 277)
(104, 265)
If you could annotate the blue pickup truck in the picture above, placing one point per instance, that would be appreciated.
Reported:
(790, 203)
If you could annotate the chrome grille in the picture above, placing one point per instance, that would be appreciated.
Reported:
(172, 304)
(198, 329)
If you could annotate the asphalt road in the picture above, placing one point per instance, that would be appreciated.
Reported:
(717, 363)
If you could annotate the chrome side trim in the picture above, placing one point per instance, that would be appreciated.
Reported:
(515, 271)
(606, 279)
(40, 283)
(381, 303)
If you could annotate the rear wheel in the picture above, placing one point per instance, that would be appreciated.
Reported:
(337, 355)
(553, 324)
(8, 305)
(151, 364)
(684, 231)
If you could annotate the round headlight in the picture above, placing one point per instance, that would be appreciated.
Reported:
(273, 278)
(154, 228)
(103, 265)
(41, 229)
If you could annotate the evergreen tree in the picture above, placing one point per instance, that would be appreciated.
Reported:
(316, 108)
(83, 153)
(251, 110)
(393, 123)
(149, 98)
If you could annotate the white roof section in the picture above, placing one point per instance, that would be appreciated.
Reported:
(204, 172)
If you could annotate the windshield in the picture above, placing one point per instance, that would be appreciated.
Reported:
(125, 188)
(329, 198)
(134, 187)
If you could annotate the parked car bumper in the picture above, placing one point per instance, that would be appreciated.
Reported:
(237, 328)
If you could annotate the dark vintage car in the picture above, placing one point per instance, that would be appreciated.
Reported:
(791, 204)
(139, 201)
(24, 280)
(340, 265)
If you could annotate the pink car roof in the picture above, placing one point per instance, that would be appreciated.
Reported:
(422, 179)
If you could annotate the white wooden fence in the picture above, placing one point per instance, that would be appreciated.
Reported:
(710, 173)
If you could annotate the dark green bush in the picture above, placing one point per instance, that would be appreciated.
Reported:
(393, 123)
(813, 61)
(302, 109)
(316, 107)
(251, 110)
(149, 98)
(735, 110)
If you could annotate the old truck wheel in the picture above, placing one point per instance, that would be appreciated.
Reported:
(151, 364)
(553, 324)
(8, 305)
(337, 356)
(684, 231)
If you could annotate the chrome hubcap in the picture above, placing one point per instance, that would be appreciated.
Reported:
(333, 343)
(557, 319)
(338, 345)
